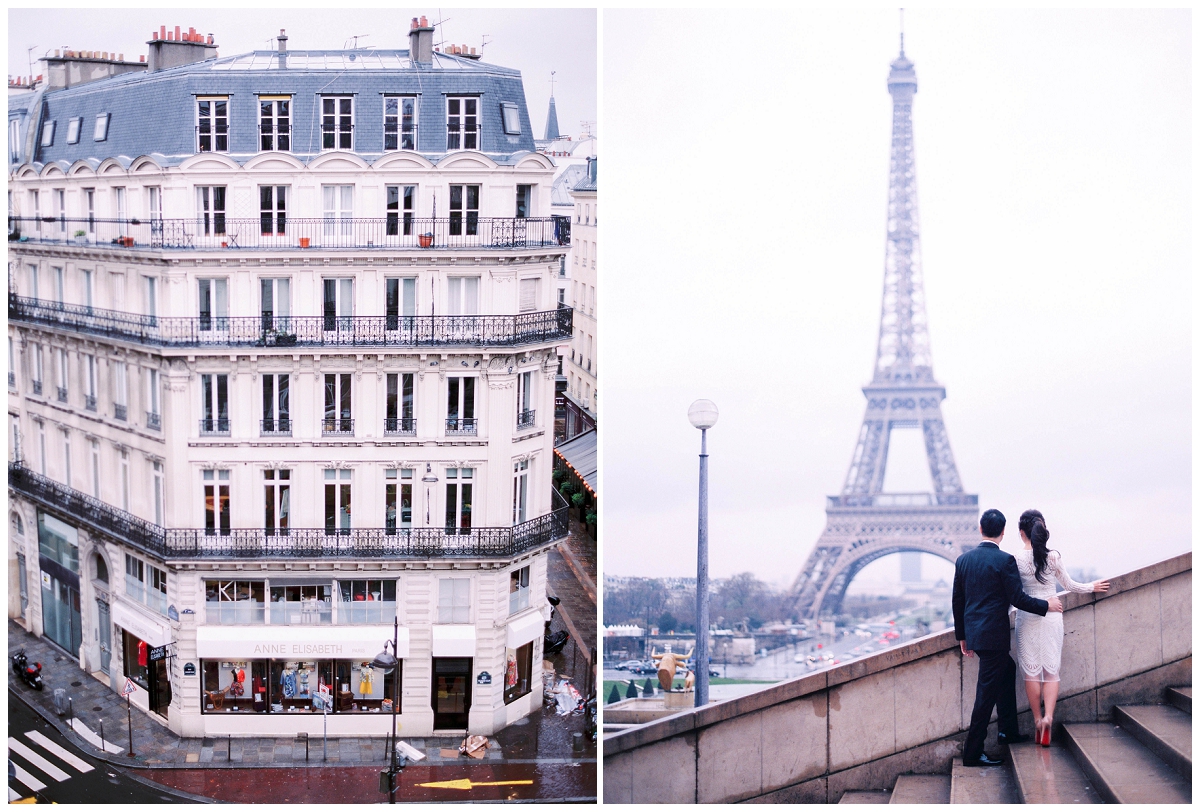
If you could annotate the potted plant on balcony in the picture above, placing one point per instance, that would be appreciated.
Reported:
(80, 237)
(425, 240)
(305, 242)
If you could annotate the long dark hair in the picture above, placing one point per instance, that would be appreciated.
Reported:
(1033, 525)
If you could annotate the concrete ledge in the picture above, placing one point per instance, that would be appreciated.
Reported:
(882, 715)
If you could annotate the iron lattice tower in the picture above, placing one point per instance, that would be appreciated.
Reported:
(864, 523)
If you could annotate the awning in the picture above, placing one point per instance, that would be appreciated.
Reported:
(579, 453)
(453, 641)
(297, 642)
(525, 628)
(141, 626)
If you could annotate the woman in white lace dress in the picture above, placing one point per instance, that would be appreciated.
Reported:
(1040, 639)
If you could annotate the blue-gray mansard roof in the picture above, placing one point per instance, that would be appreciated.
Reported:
(156, 113)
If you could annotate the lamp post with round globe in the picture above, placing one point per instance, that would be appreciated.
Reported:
(388, 662)
(703, 415)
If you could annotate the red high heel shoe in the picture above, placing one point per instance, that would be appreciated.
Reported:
(1043, 733)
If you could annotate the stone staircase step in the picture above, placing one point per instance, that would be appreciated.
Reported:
(1049, 775)
(982, 785)
(921, 789)
(1165, 729)
(1121, 769)
(1181, 697)
(856, 796)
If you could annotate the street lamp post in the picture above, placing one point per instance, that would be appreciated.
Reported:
(389, 662)
(703, 415)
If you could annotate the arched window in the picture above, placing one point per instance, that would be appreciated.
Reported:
(18, 525)
(99, 569)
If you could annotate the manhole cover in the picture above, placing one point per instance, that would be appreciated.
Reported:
(97, 708)
(76, 684)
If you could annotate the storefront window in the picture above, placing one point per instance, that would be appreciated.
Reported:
(294, 685)
(235, 686)
(233, 602)
(361, 688)
(137, 664)
(295, 605)
(366, 601)
(517, 672)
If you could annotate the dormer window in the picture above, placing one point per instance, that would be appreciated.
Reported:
(212, 124)
(462, 122)
(399, 122)
(48, 134)
(73, 128)
(337, 122)
(100, 133)
(14, 140)
(512, 118)
(274, 123)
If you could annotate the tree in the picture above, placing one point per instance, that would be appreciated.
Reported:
(615, 696)
(632, 692)
(667, 622)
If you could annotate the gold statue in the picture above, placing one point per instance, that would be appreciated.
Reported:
(667, 663)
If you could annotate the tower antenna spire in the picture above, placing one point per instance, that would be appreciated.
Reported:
(901, 32)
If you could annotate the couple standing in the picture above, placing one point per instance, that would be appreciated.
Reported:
(986, 582)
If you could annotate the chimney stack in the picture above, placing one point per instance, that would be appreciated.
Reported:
(282, 39)
(420, 41)
(169, 49)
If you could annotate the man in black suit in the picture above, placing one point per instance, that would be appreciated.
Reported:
(986, 583)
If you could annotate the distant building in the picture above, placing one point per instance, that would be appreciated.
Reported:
(582, 395)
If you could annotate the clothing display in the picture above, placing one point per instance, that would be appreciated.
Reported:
(366, 680)
(1040, 639)
(288, 684)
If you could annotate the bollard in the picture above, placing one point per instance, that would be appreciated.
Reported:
(229, 747)
(101, 735)
(576, 742)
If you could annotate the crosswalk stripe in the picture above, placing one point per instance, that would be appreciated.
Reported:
(27, 779)
(62, 753)
(13, 795)
(33, 758)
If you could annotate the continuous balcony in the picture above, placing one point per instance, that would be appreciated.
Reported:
(169, 544)
(537, 327)
(278, 232)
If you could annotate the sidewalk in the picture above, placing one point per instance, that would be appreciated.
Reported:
(571, 571)
(541, 737)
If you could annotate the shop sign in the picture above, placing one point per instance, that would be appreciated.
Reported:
(158, 653)
(46, 581)
(172, 612)
(484, 678)
(189, 669)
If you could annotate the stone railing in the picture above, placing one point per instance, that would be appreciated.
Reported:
(860, 725)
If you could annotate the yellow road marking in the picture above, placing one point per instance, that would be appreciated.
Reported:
(467, 783)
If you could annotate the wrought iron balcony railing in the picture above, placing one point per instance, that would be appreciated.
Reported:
(399, 425)
(37, 387)
(89, 402)
(332, 426)
(279, 231)
(120, 412)
(462, 425)
(275, 427)
(526, 418)
(168, 544)
(299, 331)
(153, 420)
(12, 379)
(215, 427)
(62, 394)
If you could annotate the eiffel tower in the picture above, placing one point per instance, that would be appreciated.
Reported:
(863, 523)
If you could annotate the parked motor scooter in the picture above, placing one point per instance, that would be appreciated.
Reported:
(553, 642)
(31, 675)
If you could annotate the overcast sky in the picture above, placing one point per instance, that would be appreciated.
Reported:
(745, 192)
(534, 41)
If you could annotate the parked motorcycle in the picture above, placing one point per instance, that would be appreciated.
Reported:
(553, 642)
(31, 675)
(589, 726)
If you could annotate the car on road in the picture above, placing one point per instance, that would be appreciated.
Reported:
(628, 665)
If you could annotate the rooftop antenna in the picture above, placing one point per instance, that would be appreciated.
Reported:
(438, 25)
(484, 44)
(352, 43)
(29, 56)
(901, 32)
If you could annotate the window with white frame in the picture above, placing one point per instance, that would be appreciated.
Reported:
(73, 128)
(454, 600)
(124, 480)
(60, 285)
(275, 123)
(400, 300)
(511, 117)
(41, 433)
(62, 374)
(214, 304)
(212, 124)
(153, 395)
(524, 200)
(12, 364)
(89, 289)
(146, 583)
(399, 122)
(151, 288)
(462, 295)
(337, 500)
(66, 447)
(462, 122)
(214, 404)
(38, 369)
(338, 303)
(216, 502)
(525, 410)
(520, 491)
(401, 208)
(210, 209)
(459, 486)
(100, 131)
(89, 400)
(89, 205)
(96, 468)
(276, 404)
(338, 415)
(120, 390)
(119, 204)
(154, 204)
(277, 500)
(48, 133)
(158, 493)
(337, 122)
(34, 286)
(272, 210)
(397, 499)
(460, 405)
(14, 140)
(338, 208)
(36, 200)
(518, 590)
(399, 404)
(14, 434)
(275, 303)
(60, 206)
(464, 210)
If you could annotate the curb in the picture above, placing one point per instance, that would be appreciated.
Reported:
(577, 570)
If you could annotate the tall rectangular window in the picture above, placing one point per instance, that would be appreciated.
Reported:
(212, 124)
(60, 285)
(154, 204)
(337, 405)
(462, 122)
(48, 129)
(125, 480)
(60, 204)
(337, 122)
(214, 404)
(458, 500)
(89, 290)
(454, 600)
(89, 205)
(62, 373)
(151, 298)
(399, 122)
(338, 208)
(214, 304)
(520, 490)
(73, 128)
(401, 300)
(34, 291)
(210, 209)
(66, 446)
(158, 494)
(96, 468)
(38, 369)
(216, 502)
(528, 295)
(524, 199)
(275, 300)
(277, 500)
(272, 209)
(100, 131)
(401, 203)
(119, 205)
(397, 498)
(338, 304)
(462, 295)
(464, 210)
(275, 123)
(120, 391)
(14, 141)
(89, 395)
(41, 432)
(460, 406)
(337, 500)
(399, 418)
(525, 411)
(518, 590)
(154, 412)
(276, 412)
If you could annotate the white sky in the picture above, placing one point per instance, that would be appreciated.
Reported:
(534, 41)
(745, 191)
